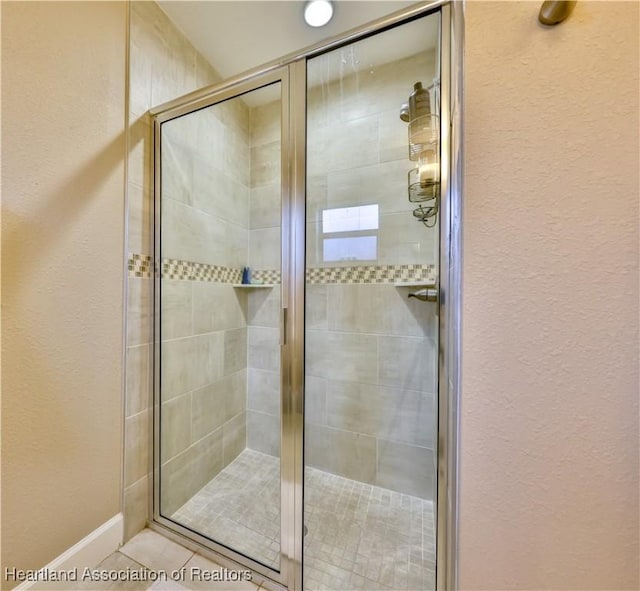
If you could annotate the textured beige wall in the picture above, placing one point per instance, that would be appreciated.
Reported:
(549, 467)
(63, 83)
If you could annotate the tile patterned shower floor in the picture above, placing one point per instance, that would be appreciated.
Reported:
(359, 536)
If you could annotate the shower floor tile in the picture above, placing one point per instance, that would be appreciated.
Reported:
(359, 536)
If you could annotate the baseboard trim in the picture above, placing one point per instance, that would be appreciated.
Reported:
(88, 552)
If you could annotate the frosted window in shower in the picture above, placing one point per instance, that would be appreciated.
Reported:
(350, 219)
(350, 233)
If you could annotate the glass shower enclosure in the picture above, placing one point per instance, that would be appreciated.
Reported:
(298, 322)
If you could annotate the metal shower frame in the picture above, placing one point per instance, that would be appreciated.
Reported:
(290, 72)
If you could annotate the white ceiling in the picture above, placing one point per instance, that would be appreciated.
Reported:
(239, 35)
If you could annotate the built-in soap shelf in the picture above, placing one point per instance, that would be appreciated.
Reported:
(254, 285)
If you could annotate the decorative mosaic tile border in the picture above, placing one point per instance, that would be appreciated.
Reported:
(267, 276)
(371, 274)
(142, 266)
(187, 271)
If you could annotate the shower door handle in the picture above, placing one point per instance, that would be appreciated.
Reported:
(285, 316)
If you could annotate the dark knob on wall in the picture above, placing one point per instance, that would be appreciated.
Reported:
(553, 12)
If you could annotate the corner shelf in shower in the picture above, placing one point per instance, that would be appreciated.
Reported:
(254, 286)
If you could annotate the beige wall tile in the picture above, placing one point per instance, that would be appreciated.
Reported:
(139, 311)
(264, 391)
(207, 409)
(265, 208)
(206, 140)
(347, 454)
(235, 387)
(340, 101)
(384, 184)
(263, 433)
(316, 306)
(379, 309)
(407, 362)
(185, 234)
(175, 308)
(177, 368)
(235, 350)
(317, 197)
(237, 241)
(176, 75)
(189, 471)
(217, 403)
(192, 235)
(265, 248)
(342, 356)
(177, 168)
(318, 146)
(234, 437)
(140, 151)
(264, 348)
(266, 164)
(404, 240)
(265, 307)
(235, 114)
(266, 123)
(138, 380)
(205, 74)
(315, 402)
(405, 468)
(394, 136)
(313, 246)
(140, 219)
(175, 426)
(139, 71)
(353, 144)
(219, 194)
(183, 131)
(217, 307)
(190, 363)
(136, 507)
(409, 316)
(236, 154)
(136, 440)
(392, 83)
(389, 413)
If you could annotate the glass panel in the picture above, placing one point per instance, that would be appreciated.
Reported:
(373, 195)
(220, 316)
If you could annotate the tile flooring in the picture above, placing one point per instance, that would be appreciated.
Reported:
(359, 536)
(240, 507)
(153, 558)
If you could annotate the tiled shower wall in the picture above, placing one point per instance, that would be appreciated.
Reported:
(163, 65)
(205, 200)
(263, 396)
(371, 352)
(370, 400)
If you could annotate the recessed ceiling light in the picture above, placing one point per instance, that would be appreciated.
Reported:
(318, 12)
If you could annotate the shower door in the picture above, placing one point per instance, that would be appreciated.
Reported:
(222, 290)
(300, 268)
(371, 346)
